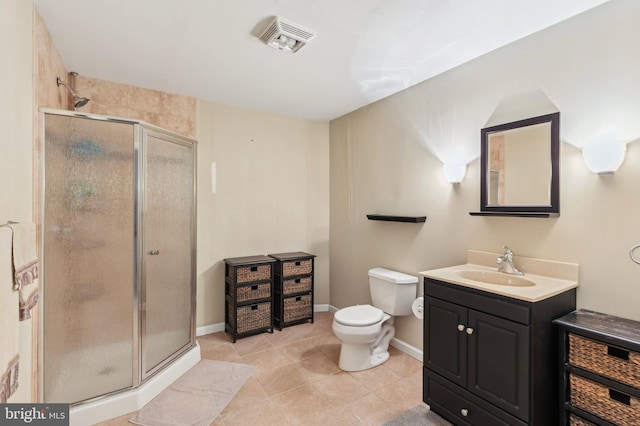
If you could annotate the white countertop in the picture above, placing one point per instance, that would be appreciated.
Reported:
(544, 287)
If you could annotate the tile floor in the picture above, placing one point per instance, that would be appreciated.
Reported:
(297, 380)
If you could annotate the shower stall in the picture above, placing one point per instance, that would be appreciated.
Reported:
(118, 262)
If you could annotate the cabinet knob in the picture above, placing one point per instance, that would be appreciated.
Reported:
(461, 327)
(469, 330)
(154, 252)
(464, 412)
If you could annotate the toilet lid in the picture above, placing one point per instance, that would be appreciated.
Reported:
(359, 315)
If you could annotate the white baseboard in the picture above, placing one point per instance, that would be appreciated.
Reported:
(321, 308)
(412, 351)
(214, 328)
(208, 329)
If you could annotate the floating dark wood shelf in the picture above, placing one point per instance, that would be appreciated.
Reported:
(516, 214)
(388, 218)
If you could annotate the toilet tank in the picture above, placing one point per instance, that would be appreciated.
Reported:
(392, 291)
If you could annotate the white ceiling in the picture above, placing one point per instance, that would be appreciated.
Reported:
(364, 49)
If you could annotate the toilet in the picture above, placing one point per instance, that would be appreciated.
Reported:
(365, 330)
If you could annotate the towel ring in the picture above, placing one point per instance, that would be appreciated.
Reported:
(632, 255)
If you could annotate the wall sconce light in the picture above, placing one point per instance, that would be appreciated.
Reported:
(454, 173)
(604, 157)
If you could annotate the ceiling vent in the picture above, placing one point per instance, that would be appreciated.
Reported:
(284, 35)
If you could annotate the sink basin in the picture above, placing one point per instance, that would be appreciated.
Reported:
(496, 278)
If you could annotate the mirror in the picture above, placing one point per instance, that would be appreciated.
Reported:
(520, 167)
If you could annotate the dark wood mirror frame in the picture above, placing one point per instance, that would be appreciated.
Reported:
(547, 210)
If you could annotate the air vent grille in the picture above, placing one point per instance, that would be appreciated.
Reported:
(284, 35)
(269, 32)
(306, 36)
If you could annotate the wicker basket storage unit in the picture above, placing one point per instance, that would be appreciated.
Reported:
(293, 288)
(600, 369)
(297, 267)
(297, 285)
(615, 363)
(252, 292)
(248, 274)
(579, 421)
(250, 317)
(606, 403)
(296, 308)
(249, 295)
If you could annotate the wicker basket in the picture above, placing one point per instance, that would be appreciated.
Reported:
(579, 421)
(603, 402)
(253, 292)
(296, 308)
(247, 274)
(297, 267)
(298, 285)
(608, 361)
(251, 317)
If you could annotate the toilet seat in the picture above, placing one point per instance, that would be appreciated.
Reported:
(359, 315)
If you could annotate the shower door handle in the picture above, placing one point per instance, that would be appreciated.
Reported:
(154, 252)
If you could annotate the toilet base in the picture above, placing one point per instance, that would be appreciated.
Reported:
(359, 357)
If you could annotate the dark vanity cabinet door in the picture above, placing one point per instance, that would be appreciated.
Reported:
(490, 359)
(444, 327)
(499, 362)
(485, 354)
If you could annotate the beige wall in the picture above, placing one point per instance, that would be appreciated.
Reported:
(16, 105)
(272, 195)
(383, 160)
(377, 167)
(16, 146)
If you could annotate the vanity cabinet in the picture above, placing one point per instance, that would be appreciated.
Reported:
(600, 369)
(491, 359)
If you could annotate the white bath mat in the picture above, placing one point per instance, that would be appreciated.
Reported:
(197, 397)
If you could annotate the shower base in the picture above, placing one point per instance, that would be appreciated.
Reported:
(128, 401)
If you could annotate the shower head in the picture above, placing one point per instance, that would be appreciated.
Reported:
(77, 100)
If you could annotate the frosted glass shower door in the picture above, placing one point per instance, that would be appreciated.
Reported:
(168, 251)
(88, 264)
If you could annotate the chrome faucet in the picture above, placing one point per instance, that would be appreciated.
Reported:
(506, 263)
